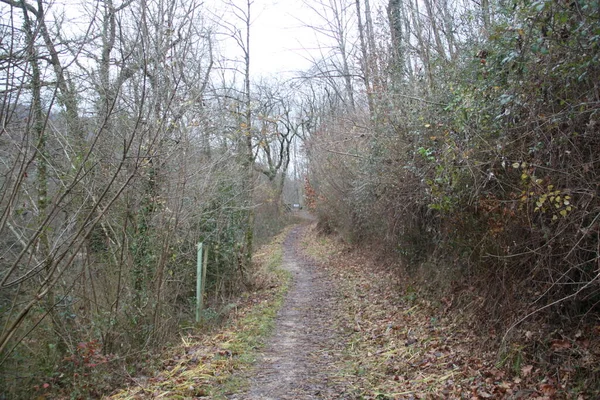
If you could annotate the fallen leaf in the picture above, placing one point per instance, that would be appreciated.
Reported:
(526, 370)
(528, 335)
(547, 389)
(560, 344)
(505, 385)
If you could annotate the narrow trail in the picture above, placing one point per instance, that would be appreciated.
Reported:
(294, 364)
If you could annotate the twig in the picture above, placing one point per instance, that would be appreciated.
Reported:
(346, 154)
(420, 99)
(549, 305)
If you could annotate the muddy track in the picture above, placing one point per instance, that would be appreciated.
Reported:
(296, 361)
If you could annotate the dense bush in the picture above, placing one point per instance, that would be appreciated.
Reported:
(485, 176)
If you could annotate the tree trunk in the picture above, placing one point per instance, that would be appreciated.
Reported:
(448, 21)
(373, 58)
(249, 167)
(434, 27)
(394, 10)
(485, 12)
(41, 161)
(423, 47)
(366, 70)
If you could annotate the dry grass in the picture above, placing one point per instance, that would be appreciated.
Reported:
(402, 344)
(210, 365)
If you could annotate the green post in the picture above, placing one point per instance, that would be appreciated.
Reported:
(199, 282)
(204, 268)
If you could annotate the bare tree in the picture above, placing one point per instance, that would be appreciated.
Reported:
(240, 31)
(95, 129)
(335, 24)
(280, 123)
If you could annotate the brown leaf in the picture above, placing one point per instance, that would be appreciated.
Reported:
(560, 344)
(528, 335)
(498, 374)
(526, 370)
(505, 385)
(547, 389)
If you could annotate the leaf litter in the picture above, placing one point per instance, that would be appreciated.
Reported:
(204, 363)
(400, 345)
(372, 337)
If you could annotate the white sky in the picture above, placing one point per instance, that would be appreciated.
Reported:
(279, 41)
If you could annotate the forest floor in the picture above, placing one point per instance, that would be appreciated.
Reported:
(333, 324)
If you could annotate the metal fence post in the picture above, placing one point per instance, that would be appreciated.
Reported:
(199, 282)
(204, 268)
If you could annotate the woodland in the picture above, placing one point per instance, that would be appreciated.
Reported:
(458, 139)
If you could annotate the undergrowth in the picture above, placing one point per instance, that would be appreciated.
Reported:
(403, 343)
(204, 363)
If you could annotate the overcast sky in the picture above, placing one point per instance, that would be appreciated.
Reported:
(279, 41)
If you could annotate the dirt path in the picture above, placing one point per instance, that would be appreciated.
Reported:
(294, 364)
(350, 329)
